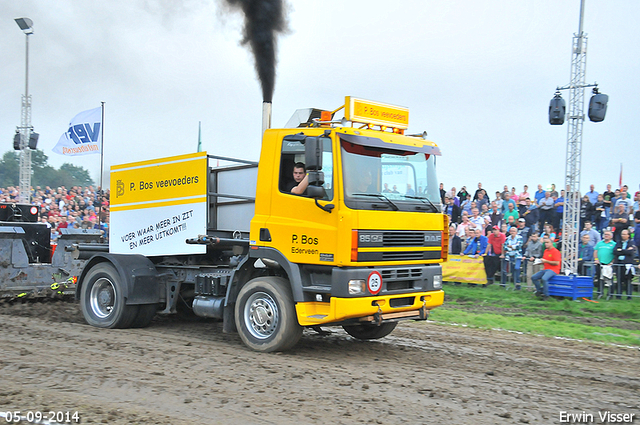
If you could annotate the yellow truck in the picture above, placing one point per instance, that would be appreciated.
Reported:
(360, 246)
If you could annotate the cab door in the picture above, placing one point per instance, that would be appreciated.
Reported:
(302, 231)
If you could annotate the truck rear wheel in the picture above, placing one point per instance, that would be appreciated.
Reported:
(370, 331)
(102, 299)
(265, 315)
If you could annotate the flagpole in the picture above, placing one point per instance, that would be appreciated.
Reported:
(101, 168)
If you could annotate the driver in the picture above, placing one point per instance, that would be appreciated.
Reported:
(300, 180)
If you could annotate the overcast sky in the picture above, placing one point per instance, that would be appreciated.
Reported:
(476, 75)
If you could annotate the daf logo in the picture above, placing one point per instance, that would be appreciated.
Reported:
(432, 238)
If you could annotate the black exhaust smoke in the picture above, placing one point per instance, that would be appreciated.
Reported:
(263, 20)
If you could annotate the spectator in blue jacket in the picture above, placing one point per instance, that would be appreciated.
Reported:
(477, 244)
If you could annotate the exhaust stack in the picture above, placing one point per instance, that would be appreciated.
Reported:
(266, 116)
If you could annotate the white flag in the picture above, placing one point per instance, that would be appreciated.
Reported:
(83, 136)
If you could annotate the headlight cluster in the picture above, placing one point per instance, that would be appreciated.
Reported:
(437, 282)
(356, 286)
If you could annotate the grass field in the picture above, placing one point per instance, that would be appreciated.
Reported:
(613, 321)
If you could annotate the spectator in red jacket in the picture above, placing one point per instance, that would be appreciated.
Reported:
(551, 259)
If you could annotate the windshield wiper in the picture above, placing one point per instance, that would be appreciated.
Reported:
(379, 196)
(422, 198)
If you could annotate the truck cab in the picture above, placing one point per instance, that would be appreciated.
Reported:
(362, 246)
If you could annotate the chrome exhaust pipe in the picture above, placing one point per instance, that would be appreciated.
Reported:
(266, 116)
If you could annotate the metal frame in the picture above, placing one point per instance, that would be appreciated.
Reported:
(571, 212)
(213, 196)
(571, 215)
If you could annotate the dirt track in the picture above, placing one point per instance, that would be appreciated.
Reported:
(178, 372)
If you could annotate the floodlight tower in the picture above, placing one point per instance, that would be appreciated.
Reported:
(571, 217)
(597, 110)
(26, 25)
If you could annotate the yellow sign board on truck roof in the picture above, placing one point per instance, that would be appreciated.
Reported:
(376, 113)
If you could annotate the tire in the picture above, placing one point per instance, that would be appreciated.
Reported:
(266, 316)
(146, 313)
(370, 331)
(102, 299)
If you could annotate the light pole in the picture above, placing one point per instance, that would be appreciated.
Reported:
(26, 25)
(597, 110)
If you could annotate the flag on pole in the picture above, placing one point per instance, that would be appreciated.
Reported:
(83, 136)
(620, 181)
(199, 136)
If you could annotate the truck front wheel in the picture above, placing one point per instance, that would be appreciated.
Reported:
(102, 299)
(370, 331)
(265, 315)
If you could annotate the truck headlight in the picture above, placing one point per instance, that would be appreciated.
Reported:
(437, 281)
(356, 286)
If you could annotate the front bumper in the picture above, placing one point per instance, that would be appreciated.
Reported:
(413, 305)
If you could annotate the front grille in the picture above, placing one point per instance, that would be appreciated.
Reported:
(399, 239)
(412, 273)
(402, 239)
(399, 255)
(396, 256)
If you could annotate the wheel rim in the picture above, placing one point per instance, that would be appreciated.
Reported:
(102, 297)
(261, 315)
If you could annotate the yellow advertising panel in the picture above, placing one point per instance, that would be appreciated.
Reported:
(156, 205)
(463, 268)
(161, 180)
(367, 111)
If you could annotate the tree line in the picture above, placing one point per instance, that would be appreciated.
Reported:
(42, 174)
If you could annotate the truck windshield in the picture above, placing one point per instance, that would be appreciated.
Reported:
(379, 178)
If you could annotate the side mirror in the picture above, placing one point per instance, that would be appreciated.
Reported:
(316, 178)
(315, 189)
(315, 192)
(313, 153)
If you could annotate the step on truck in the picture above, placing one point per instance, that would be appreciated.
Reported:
(361, 247)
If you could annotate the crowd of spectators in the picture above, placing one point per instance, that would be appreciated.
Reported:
(513, 228)
(76, 207)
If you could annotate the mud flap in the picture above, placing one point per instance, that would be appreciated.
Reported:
(228, 319)
(137, 272)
